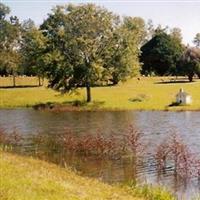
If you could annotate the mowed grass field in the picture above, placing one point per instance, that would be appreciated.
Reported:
(148, 93)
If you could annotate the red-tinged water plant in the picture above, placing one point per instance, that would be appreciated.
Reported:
(3, 137)
(107, 146)
(8, 141)
(161, 155)
(181, 156)
(175, 153)
(98, 144)
(196, 167)
(134, 142)
(70, 142)
(15, 137)
(85, 144)
(101, 145)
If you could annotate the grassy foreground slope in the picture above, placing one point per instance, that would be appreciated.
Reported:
(29, 179)
(143, 94)
(23, 178)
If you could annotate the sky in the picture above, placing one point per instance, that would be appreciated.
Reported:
(184, 14)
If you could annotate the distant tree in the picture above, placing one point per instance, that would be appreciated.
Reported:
(153, 30)
(122, 54)
(10, 31)
(33, 46)
(176, 34)
(150, 30)
(196, 40)
(189, 63)
(4, 10)
(161, 54)
(137, 27)
(28, 25)
(4, 25)
(80, 40)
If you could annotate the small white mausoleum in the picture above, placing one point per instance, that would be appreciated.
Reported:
(183, 98)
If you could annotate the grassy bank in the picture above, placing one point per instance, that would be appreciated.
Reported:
(144, 94)
(26, 178)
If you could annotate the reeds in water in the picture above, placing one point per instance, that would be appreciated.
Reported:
(174, 153)
(7, 141)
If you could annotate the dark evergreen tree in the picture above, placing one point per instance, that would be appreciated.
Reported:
(161, 54)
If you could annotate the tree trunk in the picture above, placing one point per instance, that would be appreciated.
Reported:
(39, 79)
(115, 79)
(88, 90)
(190, 77)
(14, 81)
(42, 80)
(115, 82)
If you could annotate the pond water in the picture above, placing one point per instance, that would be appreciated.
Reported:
(155, 125)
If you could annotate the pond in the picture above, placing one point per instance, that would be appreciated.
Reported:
(155, 126)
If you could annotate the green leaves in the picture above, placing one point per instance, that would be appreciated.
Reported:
(9, 41)
(95, 46)
(32, 49)
(189, 63)
(160, 55)
(196, 40)
(4, 10)
(80, 33)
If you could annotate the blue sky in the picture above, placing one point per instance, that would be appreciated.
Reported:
(174, 13)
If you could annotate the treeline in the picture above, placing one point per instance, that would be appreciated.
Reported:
(165, 54)
(86, 45)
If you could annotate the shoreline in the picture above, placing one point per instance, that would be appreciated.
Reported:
(63, 108)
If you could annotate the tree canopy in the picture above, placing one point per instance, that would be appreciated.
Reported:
(161, 54)
(9, 41)
(33, 46)
(196, 40)
(87, 45)
(122, 56)
(189, 63)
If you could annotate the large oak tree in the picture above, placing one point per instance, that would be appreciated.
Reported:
(77, 38)
(87, 45)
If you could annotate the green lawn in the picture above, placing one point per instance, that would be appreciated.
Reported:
(23, 178)
(143, 94)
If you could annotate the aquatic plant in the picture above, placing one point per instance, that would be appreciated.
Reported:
(97, 145)
(135, 142)
(8, 141)
(171, 154)
(174, 153)
(112, 146)
(161, 154)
